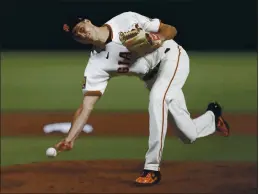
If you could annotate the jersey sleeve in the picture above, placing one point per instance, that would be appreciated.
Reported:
(148, 24)
(95, 80)
(94, 85)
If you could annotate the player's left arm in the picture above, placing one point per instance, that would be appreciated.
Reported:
(154, 25)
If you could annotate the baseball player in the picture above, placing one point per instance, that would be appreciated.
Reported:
(133, 44)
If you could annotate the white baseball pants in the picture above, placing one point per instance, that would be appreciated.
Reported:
(166, 95)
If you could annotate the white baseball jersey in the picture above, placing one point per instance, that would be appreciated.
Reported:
(165, 88)
(115, 59)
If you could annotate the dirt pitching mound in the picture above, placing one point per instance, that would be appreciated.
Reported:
(107, 124)
(118, 176)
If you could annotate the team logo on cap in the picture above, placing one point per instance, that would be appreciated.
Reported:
(66, 28)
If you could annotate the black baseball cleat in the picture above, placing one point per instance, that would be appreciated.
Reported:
(148, 178)
(221, 125)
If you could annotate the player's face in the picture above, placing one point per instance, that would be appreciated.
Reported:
(85, 32)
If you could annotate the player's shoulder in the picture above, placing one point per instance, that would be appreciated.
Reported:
(123, 15)
(127, 13)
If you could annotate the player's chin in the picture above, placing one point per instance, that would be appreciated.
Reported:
(82, 40)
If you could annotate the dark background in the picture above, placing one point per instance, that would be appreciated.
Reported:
(202, 25)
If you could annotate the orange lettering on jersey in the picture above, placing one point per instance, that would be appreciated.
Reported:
(123, 70)
(126, 59)
(125, 55)
(124, 63)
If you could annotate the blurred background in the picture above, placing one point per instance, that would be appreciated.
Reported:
(40, 61)
(42, 72)
(202, 25)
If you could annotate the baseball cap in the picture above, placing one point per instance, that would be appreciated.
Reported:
(70, 24)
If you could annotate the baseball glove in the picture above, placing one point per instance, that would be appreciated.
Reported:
(139, 41)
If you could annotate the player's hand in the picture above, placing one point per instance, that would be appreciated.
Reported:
(155, 39)
(64, 145)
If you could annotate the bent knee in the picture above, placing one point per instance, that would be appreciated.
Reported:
(184, 138)
(159, 97)
(156, 97)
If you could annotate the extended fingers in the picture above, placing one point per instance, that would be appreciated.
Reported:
(63, 146)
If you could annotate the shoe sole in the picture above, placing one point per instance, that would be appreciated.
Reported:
(146, 184)
(225, 126)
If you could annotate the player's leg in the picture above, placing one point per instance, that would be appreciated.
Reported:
(187, 128)
(190, 128)
(166, 93)
(158, 111)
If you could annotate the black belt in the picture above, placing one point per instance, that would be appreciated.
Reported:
(151, 74)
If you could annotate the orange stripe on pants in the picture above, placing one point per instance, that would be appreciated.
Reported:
(163, 116)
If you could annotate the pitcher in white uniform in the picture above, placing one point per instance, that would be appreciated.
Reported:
(164, 71)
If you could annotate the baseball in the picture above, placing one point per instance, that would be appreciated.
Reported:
(51, 152)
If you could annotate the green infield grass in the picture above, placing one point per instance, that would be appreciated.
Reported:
(52, 81)
(21, 150)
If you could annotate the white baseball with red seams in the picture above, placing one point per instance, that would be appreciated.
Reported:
(166, 95)
(51, 152)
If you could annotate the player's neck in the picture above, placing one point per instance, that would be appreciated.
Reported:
(103, 34)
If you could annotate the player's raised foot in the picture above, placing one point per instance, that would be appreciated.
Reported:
(221, 124)
(148, 178)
